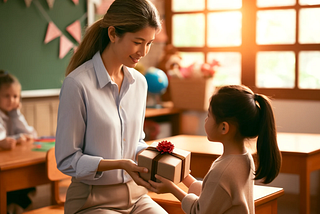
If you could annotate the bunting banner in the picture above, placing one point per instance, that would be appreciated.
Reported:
(50, 3)
(75, 30)
(52, 33)
(28, 2)
(65, 46)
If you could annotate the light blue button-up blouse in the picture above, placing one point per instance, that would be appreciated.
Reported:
(95, 122)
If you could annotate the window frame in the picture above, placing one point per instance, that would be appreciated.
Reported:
(249, 48)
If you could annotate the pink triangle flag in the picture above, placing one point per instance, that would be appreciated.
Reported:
(52, 32)
(28, 2)
(65, 46)
(75, 30)
(50, 3)
(75, 1)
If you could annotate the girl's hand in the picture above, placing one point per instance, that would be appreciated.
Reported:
(22, 139)
(133, 170)
(8, 143)
(165, 185)
(29, 138)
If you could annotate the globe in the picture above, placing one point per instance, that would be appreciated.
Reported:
(157, 80)
(157, 84)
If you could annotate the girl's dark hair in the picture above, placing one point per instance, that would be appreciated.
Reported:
(7, 79)
(253, 115)
(125, 16)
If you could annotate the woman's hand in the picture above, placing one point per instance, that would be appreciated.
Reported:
(133, 170)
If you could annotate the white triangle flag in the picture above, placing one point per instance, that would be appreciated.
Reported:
(52, 32)
(65, 46)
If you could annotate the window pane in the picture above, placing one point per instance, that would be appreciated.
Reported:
(276, 27)
(275, 69)
(187, 5)
(227, 72)
(309, 27)
(224, 4)
(309, 2)
(189, 58)
(309, 69)
(188, 30)
(226, 32)
(272, 3)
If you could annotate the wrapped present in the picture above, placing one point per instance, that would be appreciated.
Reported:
(165, 160)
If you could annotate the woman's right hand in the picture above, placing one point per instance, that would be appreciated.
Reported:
(133, 170)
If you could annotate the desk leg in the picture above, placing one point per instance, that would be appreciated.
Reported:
(175, 124)
(3, 197)
(305, 192)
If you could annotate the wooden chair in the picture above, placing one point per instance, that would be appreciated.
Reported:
(60, 182)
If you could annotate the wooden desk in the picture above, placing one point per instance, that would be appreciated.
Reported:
(20, 168)
(265, 200)
(300, 155)
(167, 113)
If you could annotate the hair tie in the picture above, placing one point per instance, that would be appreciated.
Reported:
(256, 96)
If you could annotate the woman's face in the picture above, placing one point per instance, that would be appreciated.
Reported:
(9, 97)
(130, 48)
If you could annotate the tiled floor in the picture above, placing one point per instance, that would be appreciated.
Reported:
(287, 203)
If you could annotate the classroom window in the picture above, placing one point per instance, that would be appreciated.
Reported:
(272, 46)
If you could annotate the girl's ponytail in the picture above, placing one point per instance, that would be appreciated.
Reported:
(269, 155)
(90, 45)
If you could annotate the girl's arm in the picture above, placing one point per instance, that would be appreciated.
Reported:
(189, 180)
(20, 125)
(167, 186)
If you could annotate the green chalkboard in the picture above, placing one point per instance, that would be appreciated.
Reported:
(22, 33)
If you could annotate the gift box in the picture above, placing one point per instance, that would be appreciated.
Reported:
(173, 165)
(191, 93)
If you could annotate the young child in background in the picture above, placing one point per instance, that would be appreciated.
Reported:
(234, 115)
(14, 129)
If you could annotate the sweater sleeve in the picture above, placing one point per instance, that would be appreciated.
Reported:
(212, 194)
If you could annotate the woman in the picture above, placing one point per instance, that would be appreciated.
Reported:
(102, 110)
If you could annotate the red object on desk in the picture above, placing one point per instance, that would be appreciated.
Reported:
(45, 140)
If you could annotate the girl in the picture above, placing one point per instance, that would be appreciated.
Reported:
(234, 115)
(13, 126)
(13, 129)
(102, 110)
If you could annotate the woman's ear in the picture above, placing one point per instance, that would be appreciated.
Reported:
(112, 34)
(224, 127)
